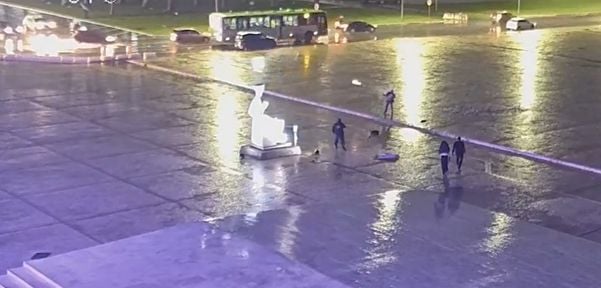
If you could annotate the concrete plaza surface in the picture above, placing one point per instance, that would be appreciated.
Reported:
(91, 155)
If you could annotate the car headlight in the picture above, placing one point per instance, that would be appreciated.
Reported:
(315, 33)
(110, 38)
(227, 38)
(173, 37)
(20, 29)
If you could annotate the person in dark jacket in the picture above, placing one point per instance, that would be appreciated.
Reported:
(458, 151)
(390, 96)
(338, 130)
(444, 151)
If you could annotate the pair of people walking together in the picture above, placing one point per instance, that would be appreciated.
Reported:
(445, 151)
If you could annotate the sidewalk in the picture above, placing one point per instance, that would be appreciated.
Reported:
(125, 152)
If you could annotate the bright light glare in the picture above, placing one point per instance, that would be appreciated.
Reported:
(499, 234)
(413, 74)
(109, 51)
(9, 46)
(306, 62)
(258, 63)
(528, 63)
(223, 67)
(43, 45)
(227, 124)
(387, 227)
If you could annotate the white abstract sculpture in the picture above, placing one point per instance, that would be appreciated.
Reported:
(266, 131)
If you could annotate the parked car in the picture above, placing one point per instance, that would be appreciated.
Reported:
(516, 24)
(37, 22)
(188, 35)
(83, 35)
(7, 31)
(254, 41)
(360, 27)
(455, 18)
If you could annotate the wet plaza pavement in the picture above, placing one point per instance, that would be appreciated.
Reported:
(99, 153)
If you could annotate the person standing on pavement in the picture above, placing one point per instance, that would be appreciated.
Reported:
(444, 151)
(458, 151)
(389, 101)
(338, 130)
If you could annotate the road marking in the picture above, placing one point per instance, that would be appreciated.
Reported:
(441, 134)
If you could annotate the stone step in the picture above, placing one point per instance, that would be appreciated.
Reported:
(191, 255)
(27, 278)
(8, 282)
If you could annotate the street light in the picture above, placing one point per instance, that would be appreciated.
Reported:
(402, 3)
(519, 6)
(216, 5)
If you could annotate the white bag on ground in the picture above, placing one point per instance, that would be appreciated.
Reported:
(387, 156)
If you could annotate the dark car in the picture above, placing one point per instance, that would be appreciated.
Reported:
(254, 41)
(83, 35)
(360, 27)
(188, 35)
(5, 30)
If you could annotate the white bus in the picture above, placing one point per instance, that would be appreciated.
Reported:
(300, 26)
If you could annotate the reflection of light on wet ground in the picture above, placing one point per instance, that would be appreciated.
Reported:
(413, 74)
(258, 63)
(499, 234)
(287, 236)
(224, 67)
(227, 125)
(306, 62)
(385, 229)
(265, 195)
(529, 65)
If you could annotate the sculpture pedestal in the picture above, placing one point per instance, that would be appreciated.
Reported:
(266, 154)
(289, 148)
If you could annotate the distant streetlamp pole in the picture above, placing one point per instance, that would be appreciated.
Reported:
(519, 6)
(216, 5)
(402, 3)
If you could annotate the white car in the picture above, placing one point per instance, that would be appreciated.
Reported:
(36, 22)
(516, 24)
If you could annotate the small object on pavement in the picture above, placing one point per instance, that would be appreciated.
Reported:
(356, 82)
(374, 133)
(392, 157)
(423, 121)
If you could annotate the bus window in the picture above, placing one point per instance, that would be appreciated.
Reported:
(290, 20)
(259, 22)
(242, 23)
(276, 21)
(267, 22)
(302, 21)
(229, 23)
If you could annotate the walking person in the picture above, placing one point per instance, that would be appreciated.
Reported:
(458, 151)
(389, 101)
(444, 151)
(338, 130)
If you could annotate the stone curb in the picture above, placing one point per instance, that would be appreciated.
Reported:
(67, 59)
(65, 16)
(441, 134)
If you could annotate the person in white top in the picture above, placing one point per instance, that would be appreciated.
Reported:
(444, 151)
